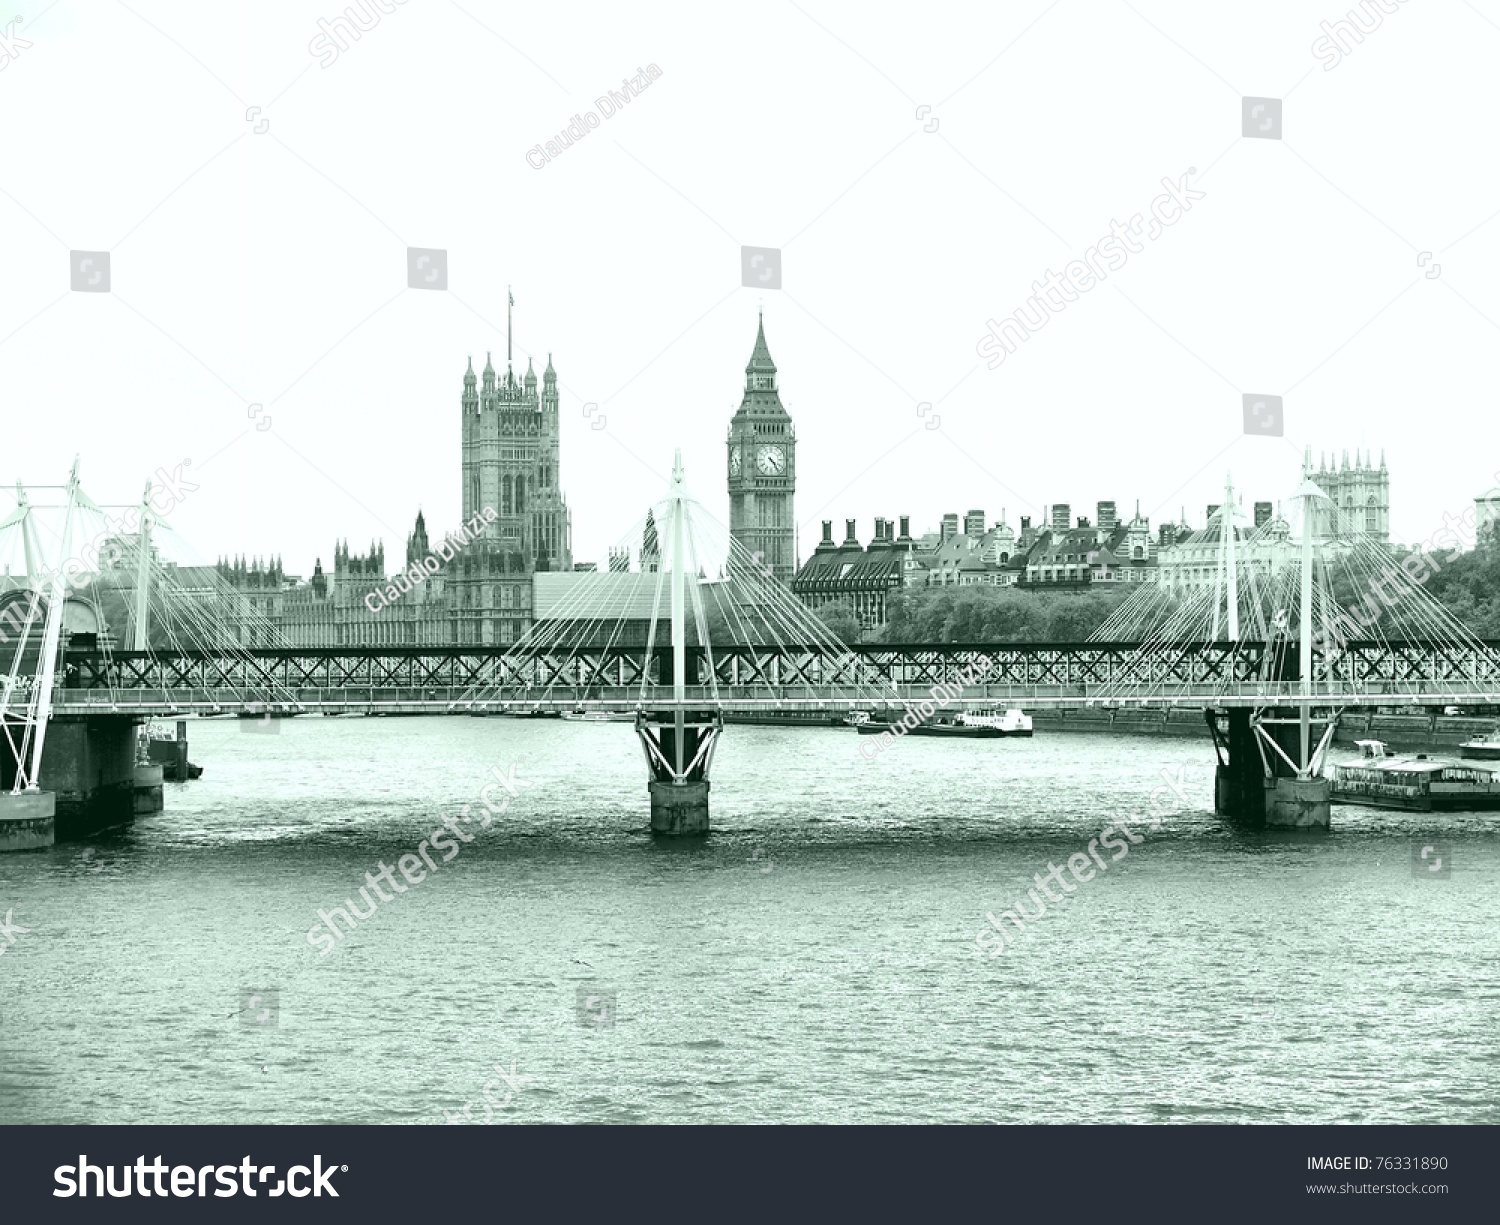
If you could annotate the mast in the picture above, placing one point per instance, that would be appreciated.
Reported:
(142, 574)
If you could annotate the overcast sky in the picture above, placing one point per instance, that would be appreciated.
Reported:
(258, 258)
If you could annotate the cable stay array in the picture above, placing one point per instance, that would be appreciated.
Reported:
(1248, 594)
(677, 580)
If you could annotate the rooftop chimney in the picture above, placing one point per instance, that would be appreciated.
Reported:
(849, 537)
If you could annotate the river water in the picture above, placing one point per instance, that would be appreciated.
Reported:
(813, 960)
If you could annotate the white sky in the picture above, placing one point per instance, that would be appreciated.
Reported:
(270, 268)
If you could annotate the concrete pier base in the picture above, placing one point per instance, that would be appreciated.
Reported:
(27, 821)
(1240, 778)
(679, 808)
(1298, 803)
(148, 790)
(89, 764)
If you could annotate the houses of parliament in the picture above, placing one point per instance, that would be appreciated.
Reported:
(517, 523)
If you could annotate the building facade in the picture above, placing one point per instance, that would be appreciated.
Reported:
(857, 577)
(474, 587)
(762, 471)
(511, 465)
(1359, 499)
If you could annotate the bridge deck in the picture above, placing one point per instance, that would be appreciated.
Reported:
(768, 678)
(747, 699)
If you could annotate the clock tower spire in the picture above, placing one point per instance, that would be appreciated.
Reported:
(762, 468)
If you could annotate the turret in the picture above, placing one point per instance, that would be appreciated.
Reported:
(416, 544)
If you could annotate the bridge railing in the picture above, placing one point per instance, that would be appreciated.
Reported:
(444, 698)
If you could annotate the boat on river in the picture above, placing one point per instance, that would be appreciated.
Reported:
(986, 724)
(1415, 783)
(1011, 722)
(1485, 747)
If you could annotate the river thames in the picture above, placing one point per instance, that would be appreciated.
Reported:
(813, 960)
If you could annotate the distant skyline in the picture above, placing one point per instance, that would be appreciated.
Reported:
(260, 201)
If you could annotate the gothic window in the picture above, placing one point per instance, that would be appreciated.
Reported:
(505, 495)
(1372, 516)
(520, 495)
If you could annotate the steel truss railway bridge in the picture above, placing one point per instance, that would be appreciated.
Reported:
(757, 679)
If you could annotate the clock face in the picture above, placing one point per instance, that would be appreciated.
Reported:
(770, 461)
(734, 461)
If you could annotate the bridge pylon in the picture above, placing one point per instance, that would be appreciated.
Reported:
(1270, 770)
(679, 743)
(28, 813)
(679, 746)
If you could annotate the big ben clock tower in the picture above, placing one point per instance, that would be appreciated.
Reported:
(763, 469)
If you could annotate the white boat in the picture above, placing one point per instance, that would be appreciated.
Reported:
(1416, 783)
(1484, 747)
(1012, 722)
(599, 716)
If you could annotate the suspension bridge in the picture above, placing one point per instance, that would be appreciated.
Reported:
(97, 637)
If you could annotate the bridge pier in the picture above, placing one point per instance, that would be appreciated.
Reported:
(1240, 779)
(679, 808)
(679, 746)
(146, 788)
(87, 783)
(1293, 802)
(1298, 803)
(1245, 791)
(27, 820)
